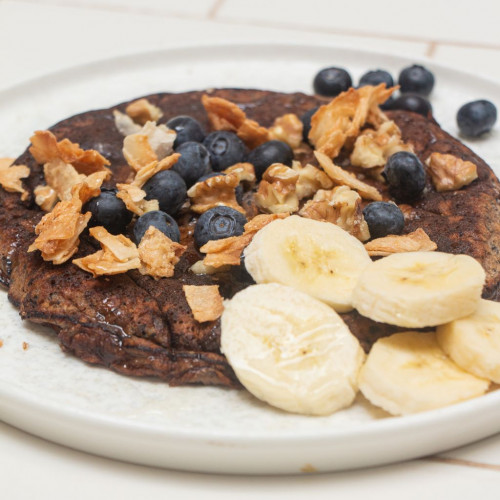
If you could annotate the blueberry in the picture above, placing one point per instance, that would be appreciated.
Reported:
(218, 223)
(188, 130)
(405, 175)
(332, 81)
(108, 211)
(225, 149)
(306, 122)
(238, 191)
(412, 102)
(168, 188)
(416, 79)
(376, 77)
(268, 153)
(193, 163)
(161, 221)
(383, 218)
(476, 118)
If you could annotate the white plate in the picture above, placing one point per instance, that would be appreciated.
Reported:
(60, 398)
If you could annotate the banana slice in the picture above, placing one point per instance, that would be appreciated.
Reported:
(409, 373)
(473, 342)
(290, 350)
(419, 289)
(318, 258)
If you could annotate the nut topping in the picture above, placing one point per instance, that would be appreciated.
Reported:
(310, 180)
(287, 128)
(449, 172)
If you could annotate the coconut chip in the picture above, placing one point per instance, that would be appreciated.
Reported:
(118, 254)
(215, 192)
(225, 115)
(276, 193)
(205, 301)
(340, 206)
(147, 171)
(45, 149)
(11, 175)
(340, 121)
(227, 251)
(287, 128)
(159, 254)
(45, 197)
(417, 241)
(61, 177)
(142, 111)
(449, 172)
(125, 124)
(134, 199)
(341, 177)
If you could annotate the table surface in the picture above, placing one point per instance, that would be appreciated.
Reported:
(40, 36)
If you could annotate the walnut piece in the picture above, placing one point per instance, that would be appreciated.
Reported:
(340, 206)
(205, 301)
(449, 172)
(340, 121)
(287, 128)
(244, 171)
(215, 192)
(373, 147)
(159, 254)
(45, 197)
(142, 111)
(227, 251)
(276, 193)
(11, 175)
(225, 115)
(118, 254)
(310, 180)
(417, 241)
(45, 149)
(341, 177)
(134, 199)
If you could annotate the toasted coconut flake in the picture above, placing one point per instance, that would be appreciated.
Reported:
(340, 121)
(137, 151)
(159, 254)
(58, 231)
(125, 124)
(133, 197)
(417, 241)
(161, 139)
(215, 192)
(244, 171)
(147, 171)
(227, 251)
(342, 177)
(340, 206)
(45, 197)
(373, 147)
(142, 111)
(118, 254)
(449, 172)
(61, 177)
(205, 301)
(90, 187)
(287, 128)
(225, 115)
(45, 149)
(310, 180)
(11, 175)
(276, 193)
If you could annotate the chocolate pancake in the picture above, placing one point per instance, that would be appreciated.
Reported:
(140, 326)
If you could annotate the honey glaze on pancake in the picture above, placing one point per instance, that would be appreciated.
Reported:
(136, 325)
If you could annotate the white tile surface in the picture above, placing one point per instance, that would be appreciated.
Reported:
(425, 19)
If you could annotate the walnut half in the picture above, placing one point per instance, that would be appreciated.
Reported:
(449, 172)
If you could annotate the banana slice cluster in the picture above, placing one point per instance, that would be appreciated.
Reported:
(291, 349)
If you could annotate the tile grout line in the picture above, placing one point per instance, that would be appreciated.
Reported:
(215, 9)
(462, 462)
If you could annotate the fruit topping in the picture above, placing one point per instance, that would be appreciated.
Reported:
(417, 241)
(187, 129)
(168, 188)
(218, 223)
(476, 118)
(412, 102)
(419, 289)
(108, 211)
(161, 221)
(405, 175)
(416, 79)
(332, 81)
(306, 123)
(375, 77)
(268, 153)
(383, 218)
(290, 350)
(449, 173)
(193, 163)
(225, 149)
(205, 301)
